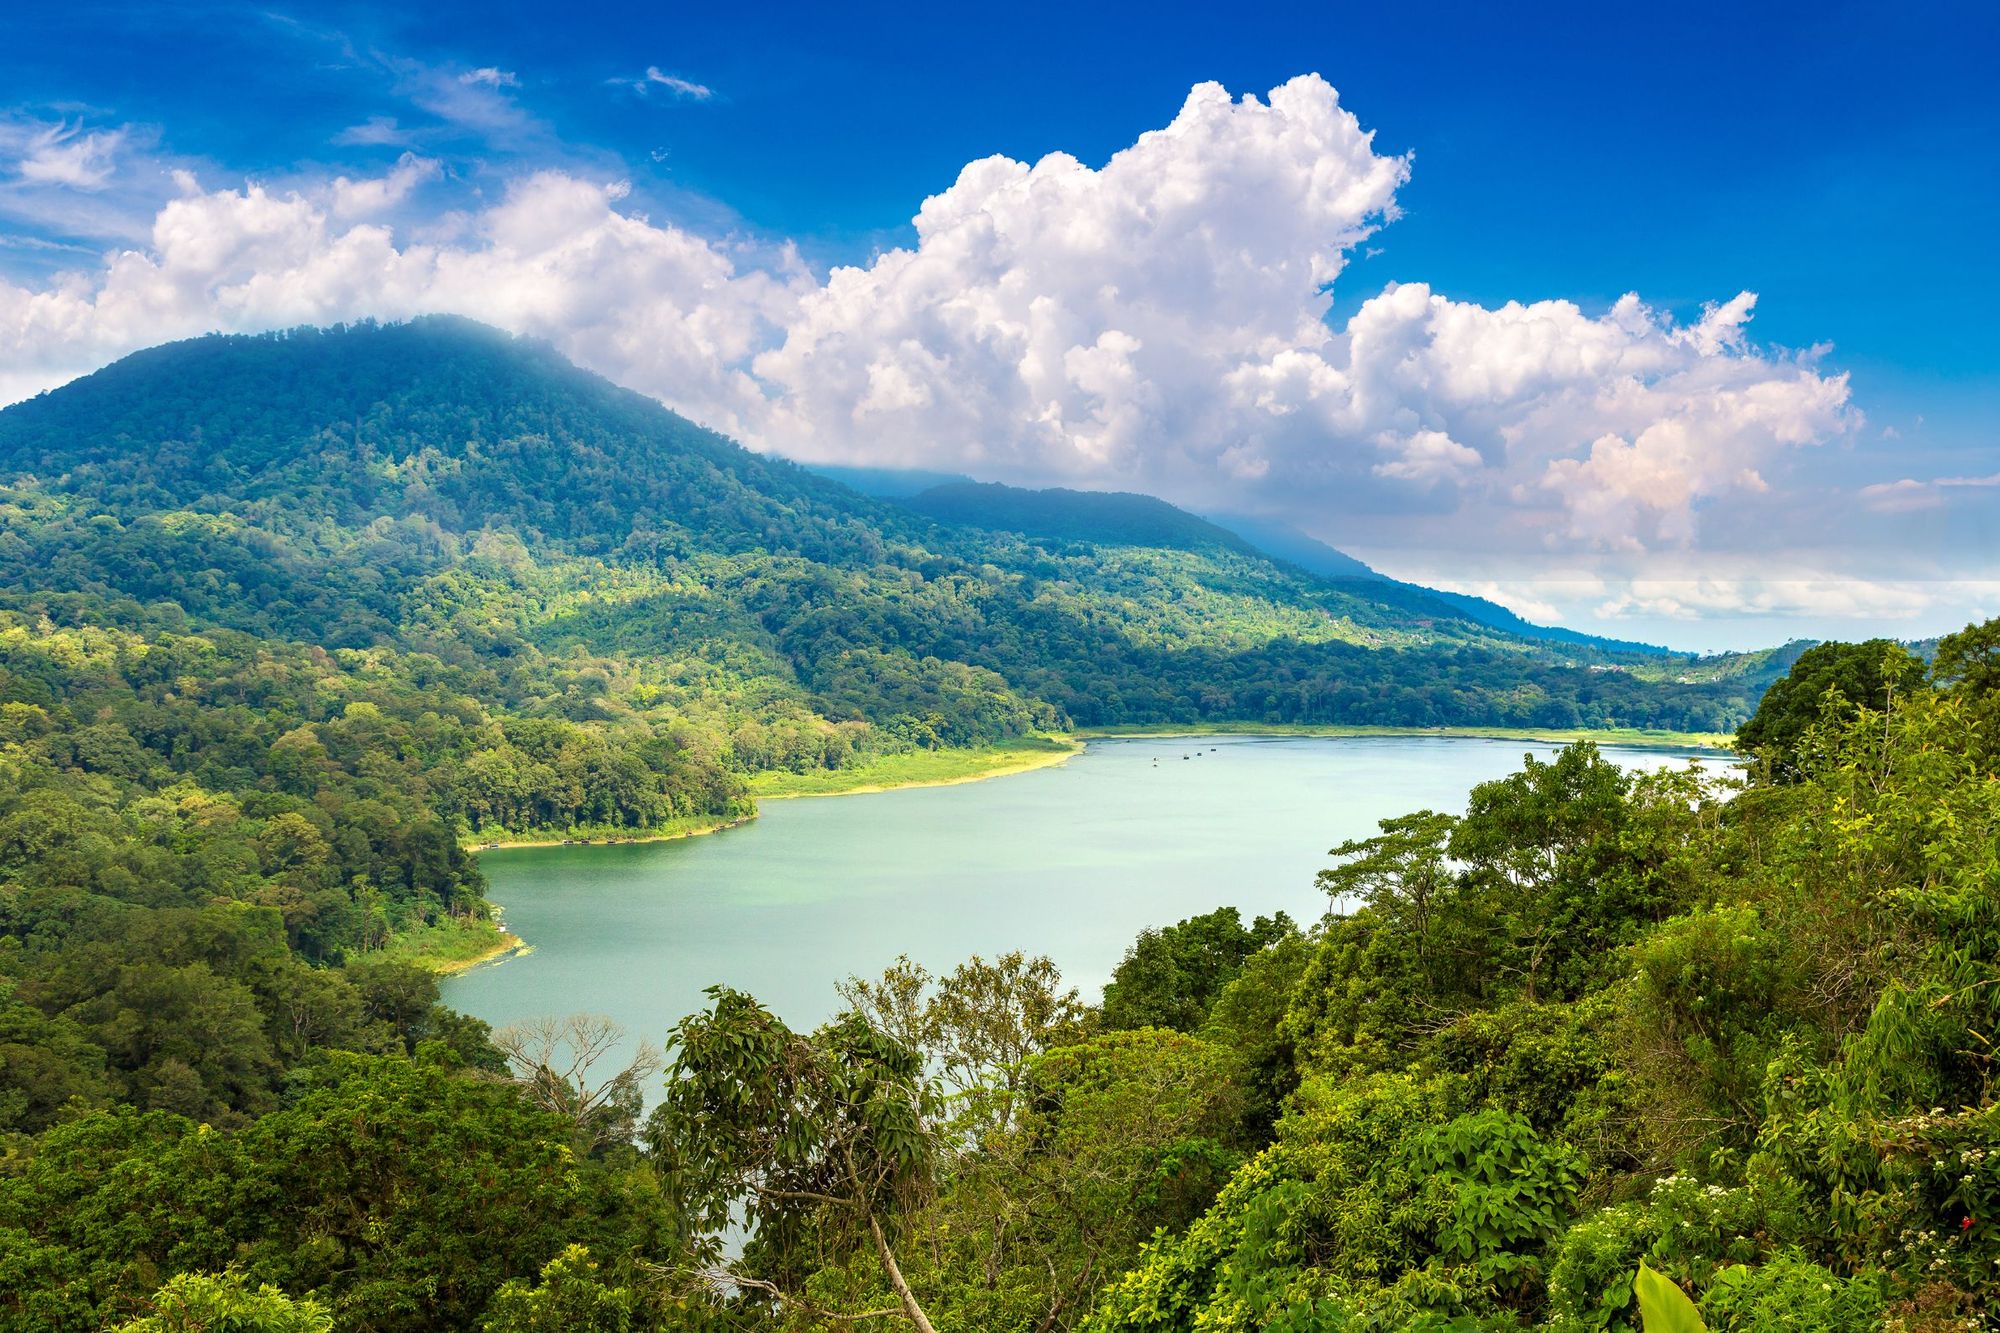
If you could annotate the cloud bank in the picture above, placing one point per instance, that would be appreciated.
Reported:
(1157, 323)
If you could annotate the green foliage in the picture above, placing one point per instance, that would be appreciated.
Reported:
(1829, 680)
(400, 1195)
(1791, 1295)
(1171, 977)
(822, 1142)
(571, 1297)
(199, 1303)
(1118, 1137)
(1533, 1012)
(1664, 1307)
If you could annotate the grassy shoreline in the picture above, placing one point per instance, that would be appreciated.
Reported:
(694, 826)
(1688, 740)
(451, 947)
(923, 768)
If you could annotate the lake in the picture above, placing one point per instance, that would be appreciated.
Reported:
(1071, 861)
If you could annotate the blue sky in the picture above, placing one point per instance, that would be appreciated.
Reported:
(1837, 161)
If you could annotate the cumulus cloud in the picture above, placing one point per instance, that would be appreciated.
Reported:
(667, 311)
(1156, 323)
(1064, 321)
(1159, 323)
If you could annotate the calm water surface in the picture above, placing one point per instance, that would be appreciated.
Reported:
(1070, 861)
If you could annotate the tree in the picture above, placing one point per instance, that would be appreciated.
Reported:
(555, 1063)
(825, 1142)
(226, 1303)
(1404, 876)
(1170, 977)
(1968, 664)
(978, 1025)
(572, 1297)
(1829, 678)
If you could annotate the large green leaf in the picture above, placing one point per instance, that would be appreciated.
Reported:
(1664, 1307)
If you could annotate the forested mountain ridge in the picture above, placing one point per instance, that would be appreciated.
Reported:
(441, 487)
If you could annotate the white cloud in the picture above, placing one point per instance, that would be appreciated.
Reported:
(675, 84)
(1818, 597)
(1059, 321)
(1524, 601)
(475, 102)
(1910, 495)
(375, 132)
(666, 311)
(1626, 423)
(655, 77)
(1427, 457)
(1159, 324)
(373, 195)
(71, 156)
(1156, 323)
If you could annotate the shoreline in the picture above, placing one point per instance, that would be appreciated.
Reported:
(475, 846)
(1716, 742)
(509, 945)
(1017, 762)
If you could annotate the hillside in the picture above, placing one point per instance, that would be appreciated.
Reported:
(1113, 518)
(440, 488)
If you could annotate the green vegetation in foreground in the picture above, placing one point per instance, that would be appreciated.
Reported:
(1679, 740)
(920, 768)
(451, 945)
(1608, 1048)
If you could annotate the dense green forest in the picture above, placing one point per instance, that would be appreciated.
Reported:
(1601, 1043)
(289, 623)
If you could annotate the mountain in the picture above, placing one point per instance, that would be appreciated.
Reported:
(1286, 542)
(888, 482)
(440, 489)
(1112, 518)
(287, 622)
(1124, 518)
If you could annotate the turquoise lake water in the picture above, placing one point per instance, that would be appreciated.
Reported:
(1070, 861)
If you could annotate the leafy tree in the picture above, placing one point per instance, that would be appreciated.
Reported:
(978, 1025)
(1968, 665)
(1835, 678)
(571, 1297)
(1170, 977)
(825, 1142)
(199, 1303)
(398, 1195)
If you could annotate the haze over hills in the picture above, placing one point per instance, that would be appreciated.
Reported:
(1113, 516)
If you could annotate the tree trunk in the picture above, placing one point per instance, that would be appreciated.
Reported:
(914, 1311)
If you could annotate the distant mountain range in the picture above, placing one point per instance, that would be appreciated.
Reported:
(1143, 520)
